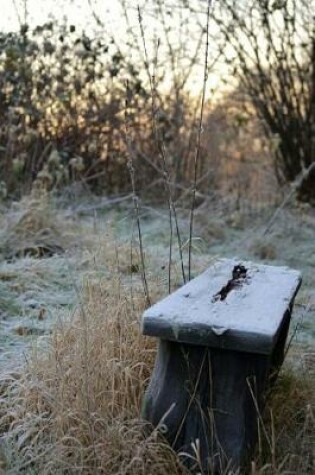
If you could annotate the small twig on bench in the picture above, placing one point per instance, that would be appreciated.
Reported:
(238, 278)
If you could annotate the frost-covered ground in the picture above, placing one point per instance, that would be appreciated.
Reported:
(37, 293)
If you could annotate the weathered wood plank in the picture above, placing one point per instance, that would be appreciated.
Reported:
(242, 314)
(222, 339)
(207, 395)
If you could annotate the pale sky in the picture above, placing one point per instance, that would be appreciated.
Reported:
(40, 11)
(80, 13)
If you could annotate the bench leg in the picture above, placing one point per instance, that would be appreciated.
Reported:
(210, 396)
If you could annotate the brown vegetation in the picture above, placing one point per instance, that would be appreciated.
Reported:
(75, 408)
(76, 108)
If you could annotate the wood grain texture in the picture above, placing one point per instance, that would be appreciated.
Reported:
(222, 340)
(248, 319)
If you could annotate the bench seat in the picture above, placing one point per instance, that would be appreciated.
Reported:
(248, 319)
(221, 344)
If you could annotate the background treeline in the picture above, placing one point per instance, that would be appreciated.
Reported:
(78, 106)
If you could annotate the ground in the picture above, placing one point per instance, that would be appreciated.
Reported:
(39, 292)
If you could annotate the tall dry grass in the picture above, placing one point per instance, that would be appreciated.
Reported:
(75, 408)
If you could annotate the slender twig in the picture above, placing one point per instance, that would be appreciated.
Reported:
(162, 153)
(258, 413)
(295, 187)
(136, 201)
(86, 355)
(192, 398)
(297, 327)
(96, 17)
(159, 143)
(197, 151)
(17, 12)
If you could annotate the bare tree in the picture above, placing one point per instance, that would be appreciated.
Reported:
(270, 44)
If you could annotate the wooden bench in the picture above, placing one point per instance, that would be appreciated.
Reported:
(221, 343)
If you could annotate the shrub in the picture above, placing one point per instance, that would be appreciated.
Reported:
(271, 47)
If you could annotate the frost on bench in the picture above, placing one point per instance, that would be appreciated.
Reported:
(222, 338)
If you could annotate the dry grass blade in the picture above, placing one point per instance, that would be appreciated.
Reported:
(75, 407)
(197, 152)
(52, 429)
